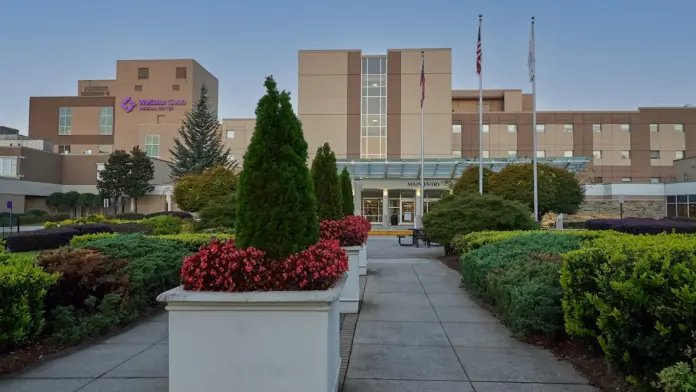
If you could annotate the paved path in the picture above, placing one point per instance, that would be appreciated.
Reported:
(418, 331)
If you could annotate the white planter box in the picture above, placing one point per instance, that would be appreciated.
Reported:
(362, 261)
(253, 342)
(350, 297)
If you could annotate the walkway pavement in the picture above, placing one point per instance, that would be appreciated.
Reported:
(417, 331)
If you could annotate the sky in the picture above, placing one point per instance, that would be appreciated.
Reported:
(590, 55)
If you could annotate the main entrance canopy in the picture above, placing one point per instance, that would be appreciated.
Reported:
(445, 168)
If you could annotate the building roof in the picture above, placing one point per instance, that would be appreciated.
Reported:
(445, 168)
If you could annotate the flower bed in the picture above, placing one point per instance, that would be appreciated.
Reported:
(349, 231)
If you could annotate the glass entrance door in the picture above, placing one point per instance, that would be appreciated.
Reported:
(407, 212)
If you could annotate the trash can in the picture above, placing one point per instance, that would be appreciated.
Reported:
(394, 220)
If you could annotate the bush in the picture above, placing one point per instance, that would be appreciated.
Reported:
(469, 181)
(467, 213)
(635, 298)
(90, 228)
(520, 276)
(178, 214)
(50, 225)
(349, 231)
(130, 228)
(40, 239)
(81, 240)
(327, 186)
(83, 273)
(222, 267)
(193, 242)
(130, 216)
(221, 212)
(30, 219)
(36, 213)
(677, 378)
(195, 191)
(164, 224)
(347, 193)
(642, 225)
(23, 288)
(468, 242)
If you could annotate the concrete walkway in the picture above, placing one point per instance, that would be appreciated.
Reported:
(419, 331)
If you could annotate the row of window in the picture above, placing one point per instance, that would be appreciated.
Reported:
(106, 121)
(568, 128)
(101, 149)
(139, 87)
(597, 154)
(152, 143)
(8, 166)
(144, 73)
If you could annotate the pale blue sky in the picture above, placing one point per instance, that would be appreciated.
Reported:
(591, 55)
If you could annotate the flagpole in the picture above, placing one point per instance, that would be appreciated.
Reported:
(480, 75)
(532, 73)
(422, 146)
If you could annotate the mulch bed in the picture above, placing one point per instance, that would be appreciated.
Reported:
(591, 364)
(26, 356)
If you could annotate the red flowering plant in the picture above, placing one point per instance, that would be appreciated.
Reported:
(349, 231)
(221, 266)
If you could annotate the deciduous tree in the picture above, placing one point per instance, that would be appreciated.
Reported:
(140, 176)
(112, 181)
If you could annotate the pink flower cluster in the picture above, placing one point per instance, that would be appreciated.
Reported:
(349, 231)
(222, 267)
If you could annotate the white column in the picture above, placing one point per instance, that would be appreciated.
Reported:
(357, 196)
(386, 215)
(132, 204)
(169, 201)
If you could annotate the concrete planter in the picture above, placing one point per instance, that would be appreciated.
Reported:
(254, 342)
(350, 297)
(362, 261)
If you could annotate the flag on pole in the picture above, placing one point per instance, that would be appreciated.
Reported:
(531, 60)
(422, 79)
(479, 52)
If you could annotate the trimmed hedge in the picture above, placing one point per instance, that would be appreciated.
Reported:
(642, 226)
(193, 242)
(178, 214)
(90, 228)
(40, 239)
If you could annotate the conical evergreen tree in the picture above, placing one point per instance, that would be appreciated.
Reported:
(276, 207)
(327, 187)
(347, 192)
(199, 145)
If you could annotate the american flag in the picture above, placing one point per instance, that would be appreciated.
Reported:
(422, 79)
(479, 52)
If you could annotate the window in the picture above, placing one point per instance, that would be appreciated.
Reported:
(568, 128)
(8, 166)
(152, 145)
(181, 72)
(100, 167)
(541, 154)
(143, 73)
(87, 152)
(512, 154)
(64, 121)
(64, 149)
(596, 127)
(654, 128)
(655, 180)
(160, 119)
(568, 153)
(373, 113)
(230, 134)
(175, 87)
(654, 154)
(679, 127)
(456, 128)
(625, 179)
(625, 155)
(456, 153)
(106, 148)
(679, 155)
(597, 154)
(512, 128)
(138, 87)
(485, 154)
(541, 128)
(626, 127)
(106, 120)
(486, 128)
(681, 205)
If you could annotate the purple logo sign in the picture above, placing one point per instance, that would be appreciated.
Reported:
(128, 104)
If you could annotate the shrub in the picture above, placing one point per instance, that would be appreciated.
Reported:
(81, 240)
(469, 181)
(90, 228)
(349, 231)
(36, 212)
(222, 267)
(468, 242)
(635, 296)
(327, 186)
(193, 192)
(83, 273)
(193, 242)
(520, 276)
(467, 213)
(129, 228)
(276, 206)
(40, 239)
(220, 230)
(220, 212)
(50, 225)
(677, 378)
(164, 224)
(347, 193)
(23, 288)
(30, 219)
(178, 214)
(130, 216)
(641, 225)
(95, 218)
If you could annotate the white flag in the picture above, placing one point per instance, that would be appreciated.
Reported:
(531, 60)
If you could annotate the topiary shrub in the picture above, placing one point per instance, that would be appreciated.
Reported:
(327, 186)
(130, 216)
(347, 193)
(466, 213)
(163, 224)
(178, 214)
(276, 206)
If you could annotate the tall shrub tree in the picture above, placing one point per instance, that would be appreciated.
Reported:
(142, 172)
(327, 187)
(276, 206)
(199, 145)
(87, 200)
(72, 200)
(56, 200)
(347, 193)
(112, 181)
(469, 181)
